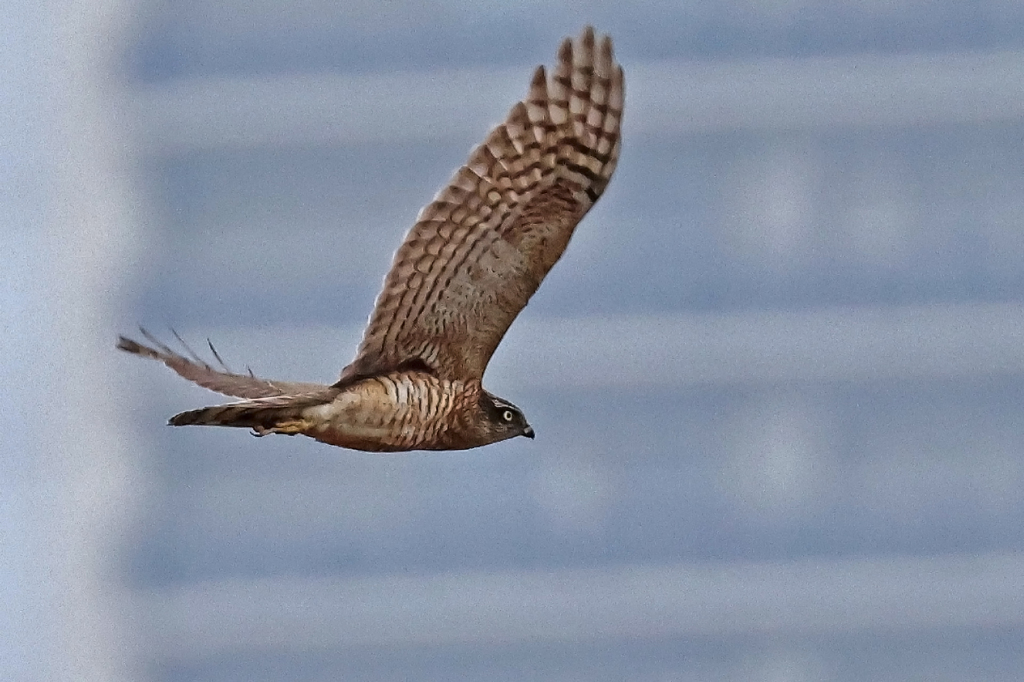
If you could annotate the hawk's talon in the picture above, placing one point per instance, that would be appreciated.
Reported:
(289, 428)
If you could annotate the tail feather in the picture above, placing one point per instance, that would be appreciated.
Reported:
(275, 414)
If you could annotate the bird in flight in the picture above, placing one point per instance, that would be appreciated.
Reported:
(475, 256)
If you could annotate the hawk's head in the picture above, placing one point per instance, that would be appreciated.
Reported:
(504, 420)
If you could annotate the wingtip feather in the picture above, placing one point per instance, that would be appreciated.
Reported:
(135, 348)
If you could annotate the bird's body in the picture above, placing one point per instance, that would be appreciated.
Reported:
(398, 411)
(394, 412)
(468, 266)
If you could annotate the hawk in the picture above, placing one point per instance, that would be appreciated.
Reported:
(475, 256)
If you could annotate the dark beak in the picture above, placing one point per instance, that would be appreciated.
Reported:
(528, 432)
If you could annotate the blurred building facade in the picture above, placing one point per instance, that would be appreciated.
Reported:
(776, 378)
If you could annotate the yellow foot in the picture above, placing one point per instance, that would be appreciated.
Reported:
(289, 428)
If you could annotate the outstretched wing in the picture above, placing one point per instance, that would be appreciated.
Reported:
(478, 252)
(224, 382)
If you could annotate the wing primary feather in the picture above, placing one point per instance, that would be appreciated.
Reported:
(188, 349)
(217, 355)
(155, 341)
(196, 370)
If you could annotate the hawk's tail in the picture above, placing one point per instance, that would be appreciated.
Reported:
(277, 414)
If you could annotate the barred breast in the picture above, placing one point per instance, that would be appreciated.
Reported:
(393, 412)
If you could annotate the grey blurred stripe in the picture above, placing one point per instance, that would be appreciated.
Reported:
(857, 343)
(798, 598)
(669, 97)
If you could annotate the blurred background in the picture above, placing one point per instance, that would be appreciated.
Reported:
(776, 379)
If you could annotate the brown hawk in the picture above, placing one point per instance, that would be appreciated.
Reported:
(475, 256)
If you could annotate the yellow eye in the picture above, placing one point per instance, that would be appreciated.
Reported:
(508, 415)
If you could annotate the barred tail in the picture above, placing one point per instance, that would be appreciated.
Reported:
(278, 414)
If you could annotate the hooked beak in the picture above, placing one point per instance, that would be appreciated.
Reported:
(528, 432)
